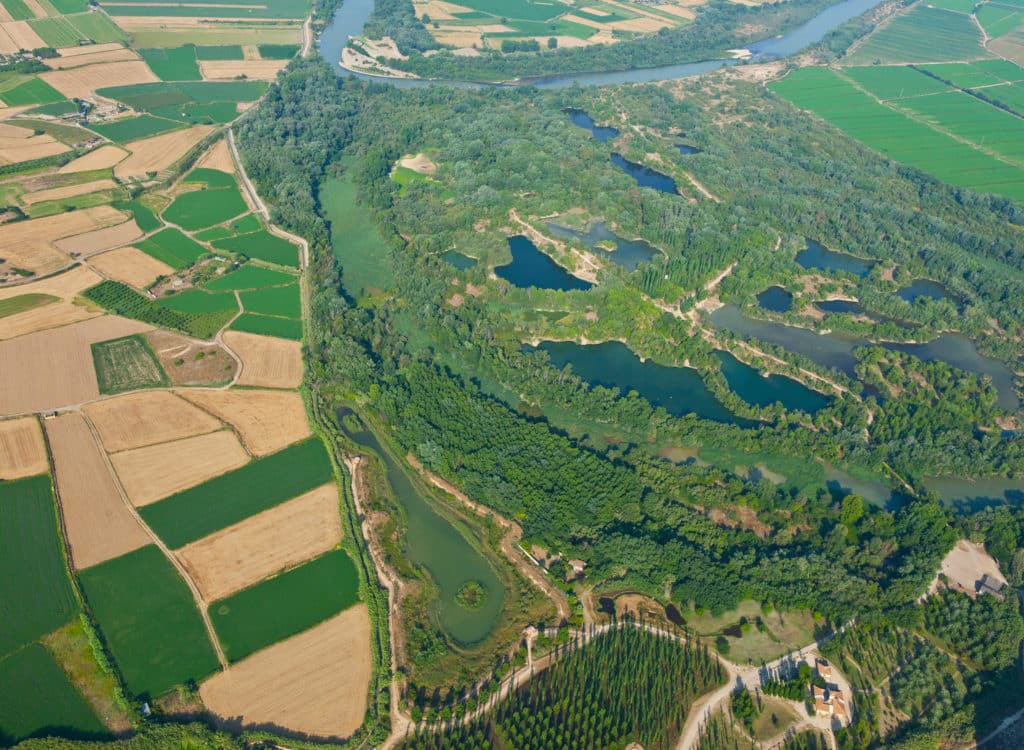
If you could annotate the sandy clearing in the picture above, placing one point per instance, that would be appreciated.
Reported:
(160, 151)
(223, 70)
(13, 131)
(30, 244)
(25, 149)
(156, 471)
(140, 419)
(967, 562)
(68, 191)
(80, 81)
(90, 243)
(100, 158)
(64, 285)
(99, 525)
(23, 35)
(266, 361)
(119, 54)
(43, 318)
(418, 163)
(267, 421)
(218, 157)
(51, 369)
(22, 451)
(315, 683)
(247, 552)
(130, 265)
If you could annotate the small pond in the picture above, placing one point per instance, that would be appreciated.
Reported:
(532, 268)
(581, 119)
(751, 386)
(645, 176)
(775, 299)
(686, 149)
(924, 289)
(627, 253)
(820, 258)
(840, 484)
(457, 259)
(840, 306)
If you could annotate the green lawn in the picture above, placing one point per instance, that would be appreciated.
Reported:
(134, 128)
(287, 604)
(922, 35)
(198, 301)
(282, 300)
(174, 63)
(264, 246)
(265, 325)
(250, 277)
(147, 617)
(32, 91)
(204, 208)
(35, 593)
(236, 495)
(172, 247)
(126, 364)
(23, 302)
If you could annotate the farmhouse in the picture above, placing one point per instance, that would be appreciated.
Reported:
(829, 702)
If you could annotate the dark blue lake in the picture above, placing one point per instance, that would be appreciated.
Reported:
(754, 388)
(457, 259)
(924, 289)
(822, 259)
(532, 268)
(840, 306)
(776, 299)
(645, 176)
(627, 253)
(686, 149)
(581, 119)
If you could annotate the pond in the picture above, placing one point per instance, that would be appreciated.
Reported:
(820, 258)
(627, 253)
(750, 385)
(679, 390)
(975, 494)
(924, 289)
(532, 268)
(840, 484)
(581, 119)
(775, 299)
(840, 306)
(645, 176)
(457, 259)
(685, 149)
(433, 543)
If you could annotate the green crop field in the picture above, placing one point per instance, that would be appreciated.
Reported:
(23, 302)
(216, 113)
(891, 82)
(204, 208)
(55, 109)
(67, 7)
(1002, 69)
(36, 698)
(282, 300)
(17, 10)
(148, 97)
(144, 217)
(35, 594)
(32, 91)
(223, 9)
(246, 225)
(516, 9)
(97, 27)
(1011, 95)
(220, 52)
(173, 64)
(149, 621)
(964, 6)
(198, 301)
(212, 178)
(922, 35)
(233, 497)
(250, 277)
(287, 604)
(998, 19)
(126, 364)
(215, 233)
(265, 325)
(264, 246)
(278, 51)
(123, 300)
(172, 247)
(57, 31)
(973, 119)
(134, 128)
(964, 75)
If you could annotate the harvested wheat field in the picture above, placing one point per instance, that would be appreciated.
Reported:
(226, 70)
(64, 285)
(132, 266)
(99, 524)
(160, 151)
(43, 318)
(247, 552)
(190, 362)
(266, 361)
(22, 452)
(13, 131)
(90, 243)
(218, 157)
(68, 191)
(22, 35)
(156, 471)
(81, 81)
(74, 57)
(314, 683)
(52, 369)
(31, 244)
(140, 419)
(14, 150)
(267, 421)
(100, 158)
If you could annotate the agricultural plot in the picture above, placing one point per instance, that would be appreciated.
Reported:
(69, 30)
(149, 621)
(970, 118)
(286, 604)
(205, 208)
(22, 453)
(173, 64)
(131, 266)
(144, 217)
(220, 52)
(149, 97)
(212, 178)
(250, 277)
(278, 51)
(44, 304)
(32, 91)
(35, 594)
(197, 302)
(266, 325)
(232, 497)
(123, 300)
(894, 82)
(141, 419)
(24, 302)
(267, 421)
(262, 245)
(17, 10)
(226, 9)
(134, 128)
(267, 362)
(151, 155)
(999, 19)
(31, 244)
(103, 157)
(964, 75)
(173, 247)
(283, 301)
(1009, 95)
(126, 364)
(922, 35)
(246, 225)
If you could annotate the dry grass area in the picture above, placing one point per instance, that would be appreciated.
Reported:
(149, 31)
(966, 563)
(418, 163)
(22, 451)
(46, 317)
(247, 552)
(21, 36)
(99, 525)
(152, 473)
(81, 81)
(266, 361)
(31, 244)
(159, 152)
(226, 70)
(89, 49)
(132, 266)
(100, 158)
(218, 157)
(74, 57)
(64, 285)
(68, 191)
(315, 683)
(51, 369)
(7, 130)
(267, 421)
(14, 150)
(90, 243)
(190, 362)
(136, 420)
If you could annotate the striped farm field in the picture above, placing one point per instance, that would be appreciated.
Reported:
(251, 277)
(172, 247)
(922, 35)
(894, 82)
(221, 9)
(1010, 95)
(266, 325)
(197, 301)
(973, 119)
(283, 301)
(32, 91)
(220, 52)
(264, 246)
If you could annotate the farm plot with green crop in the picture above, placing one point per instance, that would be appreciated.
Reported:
(185, 96)
(278, 51)
(977, 121)
(222, 9)
(212, 178)
(197, 301)
(204, 208)
(121, 299)
(32, 91)
(236, 495)
(144, 216)
(24, 302)
(173, 63)
(126, 364)
(262, 245)
(999, 19)
(57, 31)
(97, 27)
(250, 277)
(17, 10)
(35, 593)
(922, 35)
(283, 301)
(148, 619)
(1009, 95)
(134, 128)
(266, 325)
(286, 604)
(894, 82)
(220, 52)
(173, 247)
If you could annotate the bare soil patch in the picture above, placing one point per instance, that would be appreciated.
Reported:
(13, 131)
(68, 191)
(247, 552)
(22, 452)
(266, 361)
(418, 163)
(226, 70)
(218, 157)
(99, 525)
(190, 362)
(314, 683)
(130, 265)
(136, 420)
(100, 158)
(31, 244)
(267, 421)
(966, 563)
(51, 369)
(99, 240)
(152, 473)
(159, 152)
(81, 81)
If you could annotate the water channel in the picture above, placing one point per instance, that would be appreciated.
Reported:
(645, 176)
